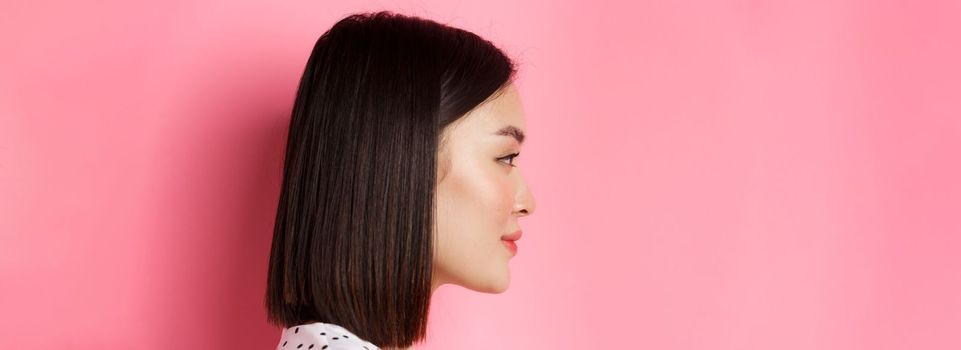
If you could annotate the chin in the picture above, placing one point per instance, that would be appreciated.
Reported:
(490, 289)
(493, 281)
(494, 285)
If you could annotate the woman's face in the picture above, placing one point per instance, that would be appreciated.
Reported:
(480, 196)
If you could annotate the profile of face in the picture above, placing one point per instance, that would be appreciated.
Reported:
(480, 195)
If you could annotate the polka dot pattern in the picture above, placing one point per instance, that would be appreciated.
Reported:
(323, 336)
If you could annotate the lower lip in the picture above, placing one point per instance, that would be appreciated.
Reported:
(511, 246)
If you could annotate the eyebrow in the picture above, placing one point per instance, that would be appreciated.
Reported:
(512, 131)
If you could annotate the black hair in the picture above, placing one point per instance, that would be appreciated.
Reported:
(353, 237)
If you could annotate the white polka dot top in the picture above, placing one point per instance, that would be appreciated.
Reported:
(321, 336)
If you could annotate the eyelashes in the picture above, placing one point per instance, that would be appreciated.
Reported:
(511, 157)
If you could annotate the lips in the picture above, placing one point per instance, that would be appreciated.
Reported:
(510, 246)
(516, 235)
(509, 239)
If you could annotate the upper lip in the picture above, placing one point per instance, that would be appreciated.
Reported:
(513, 236)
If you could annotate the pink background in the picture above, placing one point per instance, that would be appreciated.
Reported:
(709, 174)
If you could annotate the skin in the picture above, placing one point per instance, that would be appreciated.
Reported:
(480, 197)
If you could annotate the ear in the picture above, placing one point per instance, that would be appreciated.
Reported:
(443, 163)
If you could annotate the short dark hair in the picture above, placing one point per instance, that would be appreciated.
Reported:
(353, 237)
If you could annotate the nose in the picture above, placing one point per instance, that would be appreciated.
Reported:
(524, 202)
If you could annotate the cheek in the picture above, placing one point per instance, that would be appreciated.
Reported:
(478, 199)
(473, 210)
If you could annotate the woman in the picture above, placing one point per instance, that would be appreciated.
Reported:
(400, 176)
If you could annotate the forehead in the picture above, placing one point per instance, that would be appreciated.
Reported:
(506, 109)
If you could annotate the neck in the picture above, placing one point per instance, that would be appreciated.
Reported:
(407, 348)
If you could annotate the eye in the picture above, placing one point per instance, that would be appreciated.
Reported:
(511, 157)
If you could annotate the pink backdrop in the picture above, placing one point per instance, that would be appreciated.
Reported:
(709, 174)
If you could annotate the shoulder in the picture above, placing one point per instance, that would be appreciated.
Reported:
(321, 336)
